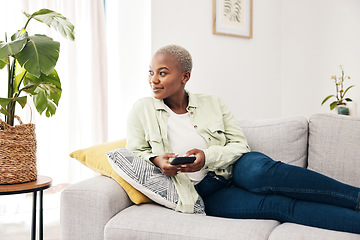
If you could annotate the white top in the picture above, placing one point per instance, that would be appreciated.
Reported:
(183, 137)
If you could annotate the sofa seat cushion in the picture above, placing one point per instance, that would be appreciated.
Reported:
(283, 139)
(334, 147)
(151, 221)
(293, 231)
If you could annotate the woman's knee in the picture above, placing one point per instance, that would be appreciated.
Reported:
(252, 169)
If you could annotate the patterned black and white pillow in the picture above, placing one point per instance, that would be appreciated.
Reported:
(148, 179)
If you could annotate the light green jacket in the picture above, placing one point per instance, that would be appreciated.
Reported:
(147, 137)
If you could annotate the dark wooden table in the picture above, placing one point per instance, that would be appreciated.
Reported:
(36, 186)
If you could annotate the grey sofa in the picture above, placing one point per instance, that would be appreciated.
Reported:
(99, 208)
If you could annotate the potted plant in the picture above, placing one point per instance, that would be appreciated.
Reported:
(340, 102)
(30, 62)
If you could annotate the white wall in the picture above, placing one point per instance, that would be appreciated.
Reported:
(244, 73)
(128, 42)
(284, 70)
(317, 37)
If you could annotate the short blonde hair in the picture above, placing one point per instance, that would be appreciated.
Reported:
(182, 55)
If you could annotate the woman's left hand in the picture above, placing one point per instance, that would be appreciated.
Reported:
(198, 164)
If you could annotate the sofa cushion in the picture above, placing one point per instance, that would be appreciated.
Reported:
(334, 147)
(293, 231)
(94, 158)
(281, 139)
(148, 179)
(139, 221)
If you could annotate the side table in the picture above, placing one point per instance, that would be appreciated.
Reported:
(36, 186)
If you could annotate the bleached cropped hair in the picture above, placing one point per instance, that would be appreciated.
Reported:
(182, 55)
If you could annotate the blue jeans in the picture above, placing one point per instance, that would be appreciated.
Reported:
(262, 188)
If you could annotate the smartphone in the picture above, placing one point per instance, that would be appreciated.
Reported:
(183, 160)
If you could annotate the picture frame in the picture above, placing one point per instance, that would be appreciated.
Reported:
(233, 18)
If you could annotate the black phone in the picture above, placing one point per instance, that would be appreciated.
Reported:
(183, 160)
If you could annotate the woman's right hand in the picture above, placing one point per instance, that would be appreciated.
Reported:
(162, 162)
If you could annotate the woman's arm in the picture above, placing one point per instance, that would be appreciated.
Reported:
(135, 134)
(220, 157)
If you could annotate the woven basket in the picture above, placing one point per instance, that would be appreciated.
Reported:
(17, 153)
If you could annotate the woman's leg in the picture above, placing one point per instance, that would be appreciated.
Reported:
(258, 173)
(235, 202)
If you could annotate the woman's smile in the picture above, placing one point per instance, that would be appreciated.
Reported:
(156, 89)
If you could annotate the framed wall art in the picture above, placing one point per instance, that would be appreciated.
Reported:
(233, 18)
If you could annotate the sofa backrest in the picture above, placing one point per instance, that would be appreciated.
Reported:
(334, 147)
(283, 140)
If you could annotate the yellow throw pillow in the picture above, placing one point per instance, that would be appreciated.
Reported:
(94, 157)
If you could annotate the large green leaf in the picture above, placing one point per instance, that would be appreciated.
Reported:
(11, 48)
(39, 55)
(46, 91)
(56, 20)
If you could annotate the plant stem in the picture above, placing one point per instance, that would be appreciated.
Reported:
(337, 89)
(10, 90)
(342, 85)
(27, 22)
(10, 86)
(11, 105)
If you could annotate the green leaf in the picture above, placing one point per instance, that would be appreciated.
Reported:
(46, 91)
(5, 101)
(52, 78)
(333, 105)
(40, 102)
(11, 48)
(39, 55)
(21, 100)
(18, 34)
(348, 89)
(3, 111)
(55, 20)
(348, 99)
(51, 109)
(2, 64)
(19, 74)
(327, 98)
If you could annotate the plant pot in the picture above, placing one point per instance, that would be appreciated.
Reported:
(342, 110)
(17, 153)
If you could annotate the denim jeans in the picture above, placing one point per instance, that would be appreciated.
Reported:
(262, 188)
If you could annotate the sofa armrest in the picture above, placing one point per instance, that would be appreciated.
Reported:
(87, 206)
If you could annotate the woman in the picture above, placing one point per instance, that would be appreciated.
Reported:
(232, 181)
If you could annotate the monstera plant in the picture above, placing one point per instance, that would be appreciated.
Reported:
(30, 62)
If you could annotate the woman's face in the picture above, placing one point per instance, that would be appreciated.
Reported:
(166, 78)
